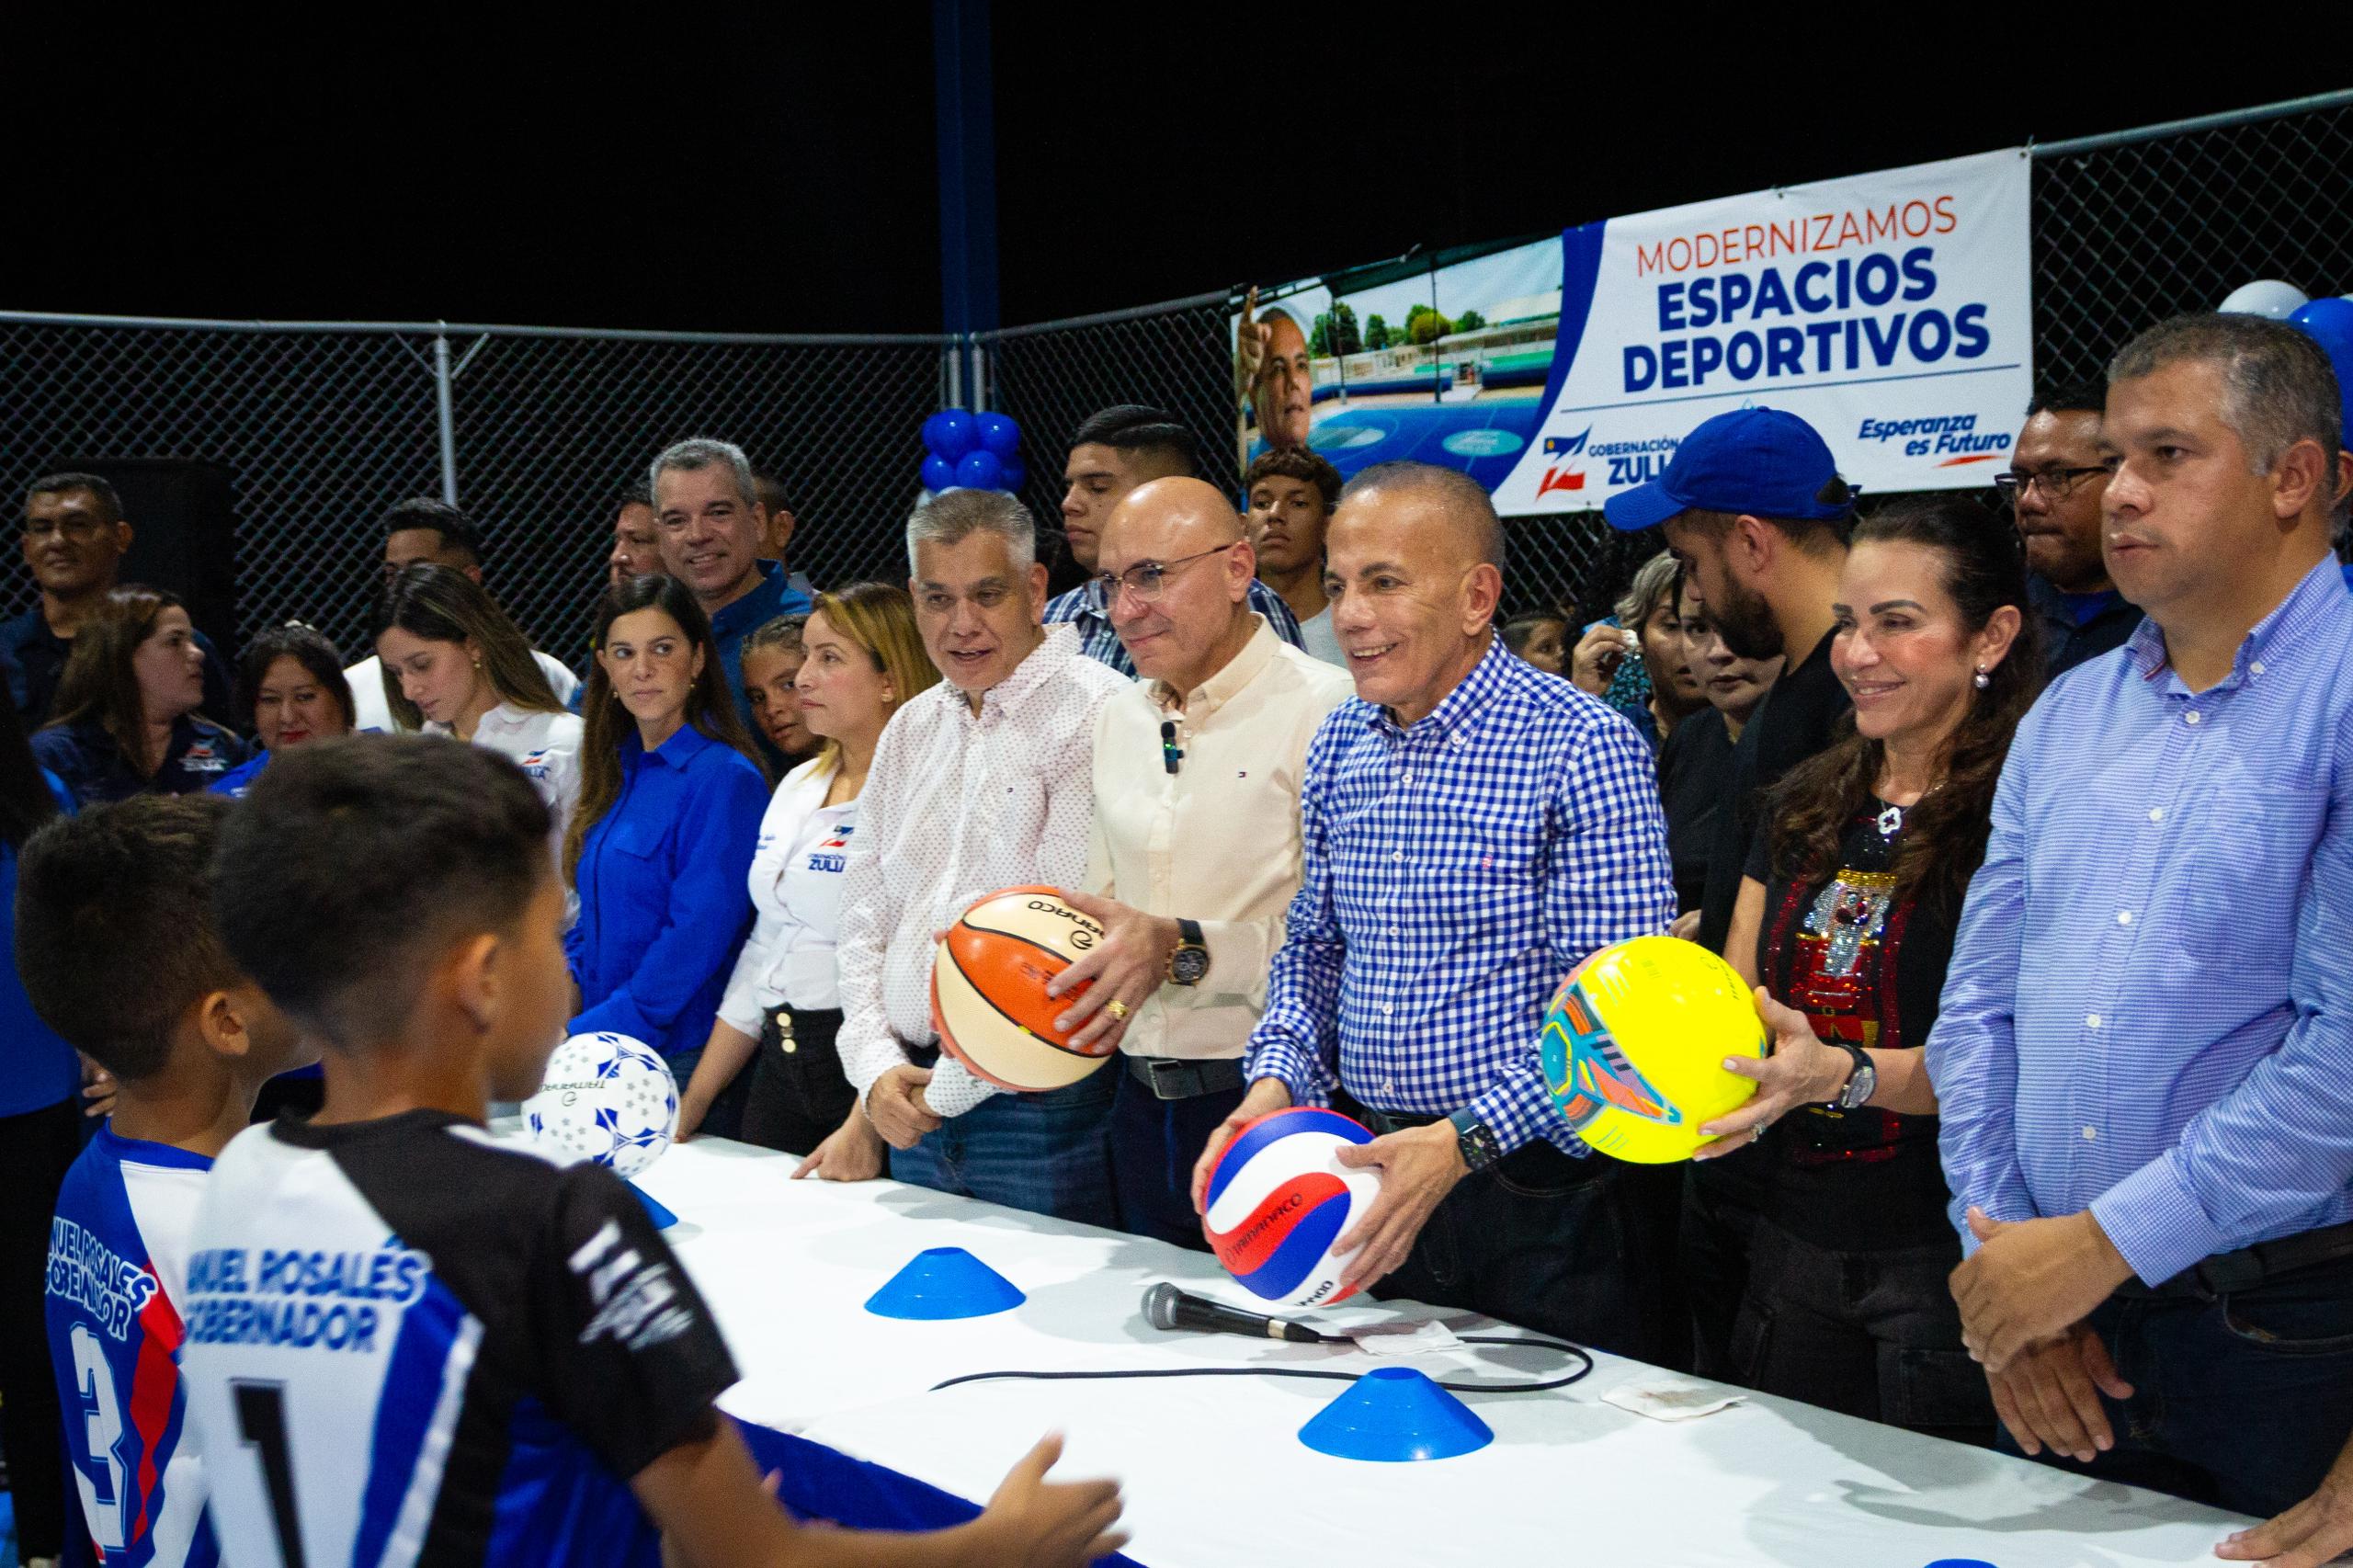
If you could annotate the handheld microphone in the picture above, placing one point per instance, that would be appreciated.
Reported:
(1167, 1307)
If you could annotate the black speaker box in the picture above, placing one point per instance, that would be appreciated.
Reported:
(183, 535)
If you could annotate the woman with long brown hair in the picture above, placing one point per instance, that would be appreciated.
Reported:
(661, 842)
(454, 664)
(1845, 923)
(127, 720)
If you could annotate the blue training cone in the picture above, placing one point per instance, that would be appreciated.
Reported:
(1394, 1413)
(945, 1282)
(661, 1217)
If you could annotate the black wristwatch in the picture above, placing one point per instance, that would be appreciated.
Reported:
(1862, 1079)
(1474, 1139)
(1189, 965)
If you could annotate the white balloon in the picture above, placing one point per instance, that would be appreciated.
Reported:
(2266, 297)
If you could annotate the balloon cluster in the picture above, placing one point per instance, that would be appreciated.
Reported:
(2327, 321)
(972, 451)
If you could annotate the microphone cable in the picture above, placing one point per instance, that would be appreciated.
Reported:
(1582, 1369)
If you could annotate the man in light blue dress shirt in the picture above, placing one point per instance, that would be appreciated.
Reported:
(2144, 1057)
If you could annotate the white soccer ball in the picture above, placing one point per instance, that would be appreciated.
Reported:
(607, 1097)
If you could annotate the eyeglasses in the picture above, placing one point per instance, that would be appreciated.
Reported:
(1144, 580)
(2054, 483)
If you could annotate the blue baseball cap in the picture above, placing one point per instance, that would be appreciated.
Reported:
(1758, 460)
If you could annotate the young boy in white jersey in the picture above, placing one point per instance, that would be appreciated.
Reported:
(407, 1342)
(116, 944)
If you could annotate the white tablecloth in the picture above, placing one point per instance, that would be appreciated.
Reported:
(1213, 1468)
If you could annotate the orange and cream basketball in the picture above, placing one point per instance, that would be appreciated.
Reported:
(988, 989)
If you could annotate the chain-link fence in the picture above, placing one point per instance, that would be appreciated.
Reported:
(323, 425)
(1178, 356)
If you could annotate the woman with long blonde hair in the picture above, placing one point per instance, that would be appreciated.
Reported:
(864, 659)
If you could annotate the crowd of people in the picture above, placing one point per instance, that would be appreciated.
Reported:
(2032, 826)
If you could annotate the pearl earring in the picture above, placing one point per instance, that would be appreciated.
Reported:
(1983, 680)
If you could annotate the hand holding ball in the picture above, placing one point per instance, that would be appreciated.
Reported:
(988, 989)
(1634, 1045)
(1279, 1197)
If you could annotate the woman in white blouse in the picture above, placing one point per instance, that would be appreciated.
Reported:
(455, 665)
(783, 1006)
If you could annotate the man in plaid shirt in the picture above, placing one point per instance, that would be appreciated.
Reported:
(1473, 828)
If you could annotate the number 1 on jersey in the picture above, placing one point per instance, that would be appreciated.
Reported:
(261, 1422)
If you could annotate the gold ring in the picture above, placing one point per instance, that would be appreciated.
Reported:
(1117, 1008)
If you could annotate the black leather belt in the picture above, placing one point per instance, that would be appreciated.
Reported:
(2227, 1273)
(1171, 1079)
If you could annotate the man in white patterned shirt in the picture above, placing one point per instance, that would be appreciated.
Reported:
(982, 782)
(1198, 768)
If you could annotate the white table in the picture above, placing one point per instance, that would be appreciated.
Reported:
(1214, 1470)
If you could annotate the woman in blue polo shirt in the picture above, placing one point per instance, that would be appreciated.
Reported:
(660, 845)
(126, 716)
(40, 1133)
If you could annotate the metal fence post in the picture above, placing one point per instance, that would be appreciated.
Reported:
(446, 404)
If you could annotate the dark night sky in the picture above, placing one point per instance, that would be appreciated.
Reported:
(760, 170)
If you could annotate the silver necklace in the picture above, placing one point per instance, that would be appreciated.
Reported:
(1890, 822)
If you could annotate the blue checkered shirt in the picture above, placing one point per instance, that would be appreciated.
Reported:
(1454, 872)
(1099, 642)
(2150, 1008)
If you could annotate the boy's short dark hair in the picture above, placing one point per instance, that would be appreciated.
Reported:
(115, 936)
(353, 863)
(1295, 462)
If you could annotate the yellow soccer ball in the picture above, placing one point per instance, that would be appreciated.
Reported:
(1634, 1044)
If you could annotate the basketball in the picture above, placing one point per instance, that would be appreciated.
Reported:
(1634, 1044)
(607, 1097)
(988, 989)
(1278, 1199)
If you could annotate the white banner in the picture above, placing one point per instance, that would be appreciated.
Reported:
(1889, 310)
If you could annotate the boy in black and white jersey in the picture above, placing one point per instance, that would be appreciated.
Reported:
(407, 1342)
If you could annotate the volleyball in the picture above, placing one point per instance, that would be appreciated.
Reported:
(1634, 1044)
(988, 989)
(1279, 1197)
(607, 1097)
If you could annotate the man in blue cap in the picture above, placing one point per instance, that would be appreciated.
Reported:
(1753, 506)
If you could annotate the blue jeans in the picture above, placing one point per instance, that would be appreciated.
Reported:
(1154, 1143)
(1049, 1154)
(2241, 1400)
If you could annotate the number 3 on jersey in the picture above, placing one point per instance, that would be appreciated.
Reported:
(102, 1435)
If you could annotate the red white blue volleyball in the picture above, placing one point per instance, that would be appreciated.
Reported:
(606, 1097)
(1279, 1197)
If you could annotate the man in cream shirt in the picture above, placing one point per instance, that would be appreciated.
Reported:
(1195, 853)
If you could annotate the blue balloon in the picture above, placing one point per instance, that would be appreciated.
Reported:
(950, 433)
(938, 474)
(2329, 323)
(980, 471)
(1000, 434)
(1016, 475)
(2330, 319)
